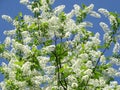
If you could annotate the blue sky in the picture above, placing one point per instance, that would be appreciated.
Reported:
(12, 8)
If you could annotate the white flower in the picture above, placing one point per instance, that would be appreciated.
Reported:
(15, 23)
(7, 41)
(103, 59)
(28, 19)
(116, 48)
(43, 61)
(111, 71)
(85, 24)
(27, 40)
(7, 18)
(113, 83)
(112, 20)
(70, 14)
(104, 11)
(37, 80)
(70, 25)
(25, 34)
(67, 35)
(29, 7)
(76, 9)
(6, 55)
(97, 40)
(50, 70)
(26, 68)
(89, 64)
(36, 9)
(51, 1)
(85, 77)
(59, 9)
(12, 75)
(3, 85)
(10, 32)
(104, 26)
(21, 84)
(107, 37)
(18, 46)
(102, 81)
(84, 56)
(88, 72)
(24, 1)
(95, 14)
(49, 48)
(89, 8)
(72, 79)
(74, 85)
(26, 49)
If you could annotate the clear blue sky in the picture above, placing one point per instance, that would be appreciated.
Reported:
(12, 8)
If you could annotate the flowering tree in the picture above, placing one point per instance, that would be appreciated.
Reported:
(54, 50)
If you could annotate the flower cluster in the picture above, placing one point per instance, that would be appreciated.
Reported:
(53, 51)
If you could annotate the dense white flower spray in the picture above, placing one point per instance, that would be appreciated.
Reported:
(53, 51)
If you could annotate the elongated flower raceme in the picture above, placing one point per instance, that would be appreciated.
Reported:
(95, 14)
(7, 41)
(59, 9)
(116, 48)
(7, 18)
(24, 1)
(105, 27)
(103, 11)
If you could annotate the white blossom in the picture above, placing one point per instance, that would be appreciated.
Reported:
(45, 66)
(67, 35)
(112, 20)
(88, 72)
(26, 68)
(10, 32)
(70, 14)
(116, 48)
(25, 34)
(76, 9)
(7, 18)
(27, 40)
(49, 48)
(28, 19)
(89, 64)
(103, 59)
(89, 8)
(24, 1)
(85, 77)
(15, 23)
(95, 14)
(74, 85)
(85, 24)
(7, 41)
(36, 9)
(59, 9)
(104, 11)
(51, 1)
(105, 27)
(106, 37)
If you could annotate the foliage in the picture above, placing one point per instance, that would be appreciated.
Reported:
(54, 50)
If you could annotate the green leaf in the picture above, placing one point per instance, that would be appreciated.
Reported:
(2, 48)
(20, 14)
(20, 63)
(62, 16)
(83, 6)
